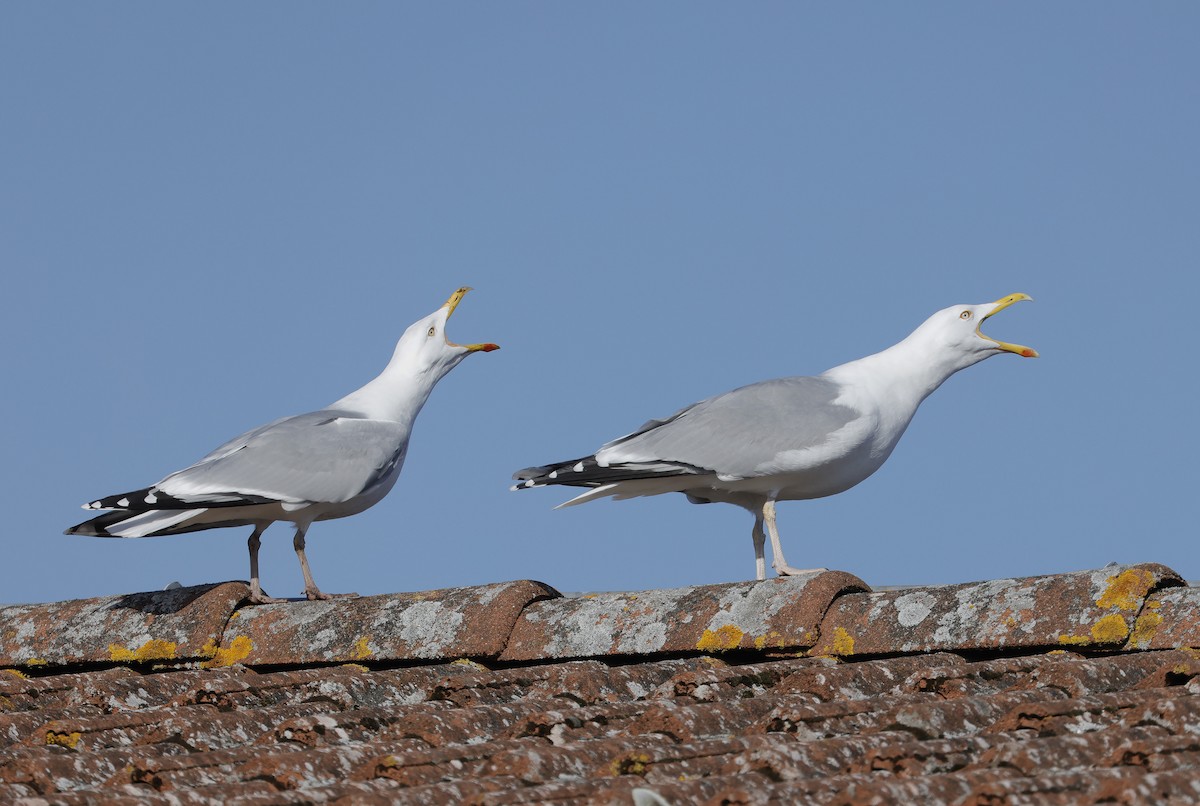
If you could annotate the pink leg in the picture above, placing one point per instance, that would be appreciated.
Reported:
(780, 564)
(310, 588)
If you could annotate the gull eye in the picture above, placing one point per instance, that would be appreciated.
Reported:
(965, 315)
(432, 330)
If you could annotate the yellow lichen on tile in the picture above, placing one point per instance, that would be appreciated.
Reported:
(476, 665)
(1145, 628)
(16, 673)
(362, 649)
(632, 764)
(1126, 590)
(771, 639)
(120, 653)
(841, 644)
(154, 649)
(1108, 630)
(1111, 629)
(237, 651)
(37, 662)
(720, 639)
(1074, 639)
(68, 740)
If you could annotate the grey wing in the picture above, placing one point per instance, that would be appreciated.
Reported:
(318, 457)
(735, 433)
(241, 439)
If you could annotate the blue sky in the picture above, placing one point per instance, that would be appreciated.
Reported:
(215, 215)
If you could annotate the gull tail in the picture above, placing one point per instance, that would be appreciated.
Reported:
(626, 480)
(150, 512)
(151, 523)
(587, 472)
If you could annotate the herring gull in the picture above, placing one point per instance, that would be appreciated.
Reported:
(786, 439)
(329, 463)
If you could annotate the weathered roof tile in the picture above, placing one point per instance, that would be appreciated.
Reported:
(189, 769)
(1073, 674)
(170, 625)
(781, 614)
(434, 625)
(852, 681)
(1170, 618)
(1122, 785)
(51, 768)
(1083, 609)
(584, 682)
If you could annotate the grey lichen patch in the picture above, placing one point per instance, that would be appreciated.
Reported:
(429, 627)
(751, 606)
(913, 608)
(603, 624)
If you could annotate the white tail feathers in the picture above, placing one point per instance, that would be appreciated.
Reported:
(147, 524)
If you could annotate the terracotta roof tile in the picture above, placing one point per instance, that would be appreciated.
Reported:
(1088, 608)
(775, 614)
(803, 690)
(834, 681)
(189, 769)
(1170, 618)
(435, 625)
(584, 682)
(179, 624)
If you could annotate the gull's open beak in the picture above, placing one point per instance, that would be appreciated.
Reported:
(451, 304)
(1001, 304)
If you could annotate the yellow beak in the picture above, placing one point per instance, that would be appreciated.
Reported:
(1001, 304)
(456, 298)
(451, 304)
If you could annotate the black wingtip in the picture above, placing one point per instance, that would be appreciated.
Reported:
(81, 531)
(587, 472)
(98, 526)
(136, 501)
(542, 475)
(531, 472)
(581, 472)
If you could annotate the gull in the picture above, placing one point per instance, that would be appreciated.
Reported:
(330, 463)
(786, 439)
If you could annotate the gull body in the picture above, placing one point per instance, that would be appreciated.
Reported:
(330, 463)
(786, 439)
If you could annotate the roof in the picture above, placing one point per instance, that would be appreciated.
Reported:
(1070, 688)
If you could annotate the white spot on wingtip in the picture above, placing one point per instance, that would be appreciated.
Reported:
(529, 482)
(93, 505)
(553, 474)
(578, 467)
(151, 498)
(123, 503)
